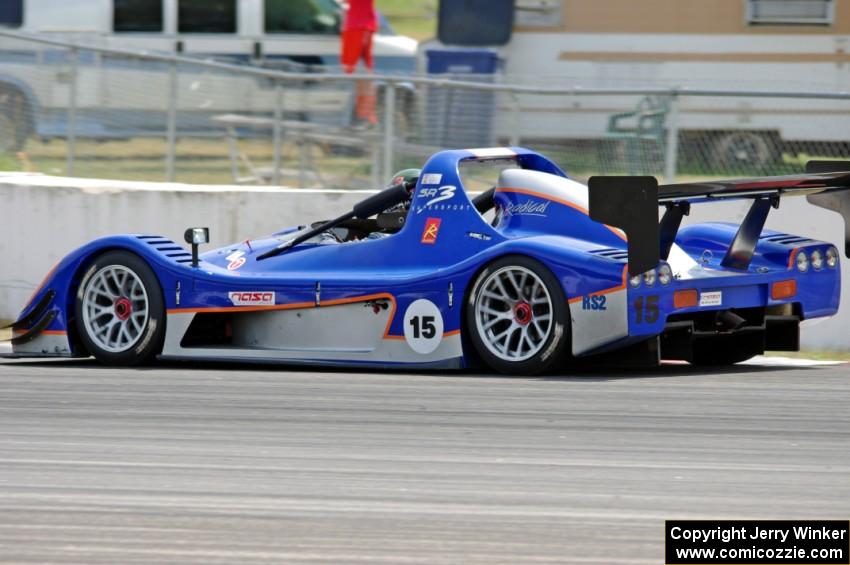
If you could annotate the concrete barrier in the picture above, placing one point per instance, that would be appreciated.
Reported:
(42, 218)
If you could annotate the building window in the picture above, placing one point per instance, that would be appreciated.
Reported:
(790, 12)
(538, 13)
(206, 16)
(11, 13)
(137, 15)
(302, 16)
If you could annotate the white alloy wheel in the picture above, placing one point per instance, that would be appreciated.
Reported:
(513, 313)
(115, 308)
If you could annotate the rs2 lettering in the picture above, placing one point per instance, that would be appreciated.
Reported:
(594, 303)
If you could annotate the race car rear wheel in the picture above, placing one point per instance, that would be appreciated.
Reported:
(517, 316)
(120, 312)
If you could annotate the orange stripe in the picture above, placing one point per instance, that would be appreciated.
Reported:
(545, 197)
(44, 332)
(792, 257)
(598, 293)
(41, 284)
(299, 306)
(451, 333)
(622, 286)
(572, 205)
(212, 310)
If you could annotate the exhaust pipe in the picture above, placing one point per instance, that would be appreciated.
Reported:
(728, 320)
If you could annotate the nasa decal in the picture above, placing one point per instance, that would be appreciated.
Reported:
(251, 298)
(423, 326)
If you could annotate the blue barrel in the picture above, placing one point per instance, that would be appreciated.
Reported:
(462, 61)
(461, 118)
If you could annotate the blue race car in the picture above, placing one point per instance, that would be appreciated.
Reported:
(421, 276)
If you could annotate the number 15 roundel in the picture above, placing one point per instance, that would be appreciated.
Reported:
(423, 326)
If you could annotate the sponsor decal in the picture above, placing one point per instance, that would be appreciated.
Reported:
(235, 260)
(527, 208)
(251, 298)
(432, 228)
(477, 235)
(594, 302)
(714, 298)
(432, 178)
(433, 199)
(377, 305)
(435, 195)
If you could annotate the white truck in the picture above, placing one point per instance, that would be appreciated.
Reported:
(122, 97)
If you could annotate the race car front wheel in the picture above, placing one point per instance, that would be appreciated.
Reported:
(517, 316)
(120, 312)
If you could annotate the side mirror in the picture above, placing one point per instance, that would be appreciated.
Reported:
(196, 237)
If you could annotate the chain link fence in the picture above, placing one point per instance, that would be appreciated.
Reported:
(68, 109)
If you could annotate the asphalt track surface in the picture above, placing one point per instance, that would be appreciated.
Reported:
(227, 464)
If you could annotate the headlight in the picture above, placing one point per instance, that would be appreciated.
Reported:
(649, 277)
(665, 274)
(802, 262)
(635, 281)
(832, 257)
(817, 260)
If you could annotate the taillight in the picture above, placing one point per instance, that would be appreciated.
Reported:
(685, 299)
(802, 261)
(832, 257)
(783, 289)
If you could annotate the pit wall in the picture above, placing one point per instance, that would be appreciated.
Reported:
(42, 218)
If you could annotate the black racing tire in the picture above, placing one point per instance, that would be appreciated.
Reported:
(120, 290)
(546, 344)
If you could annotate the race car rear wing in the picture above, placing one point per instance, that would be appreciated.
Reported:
(631, 204)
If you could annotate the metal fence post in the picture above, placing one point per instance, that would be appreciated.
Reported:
(278, 116)
(171, 128)
(515, 119)
(71, 136)
(671, 149)
(389, 134)
(299, 139)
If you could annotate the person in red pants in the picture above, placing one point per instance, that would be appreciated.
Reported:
(361, 22)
